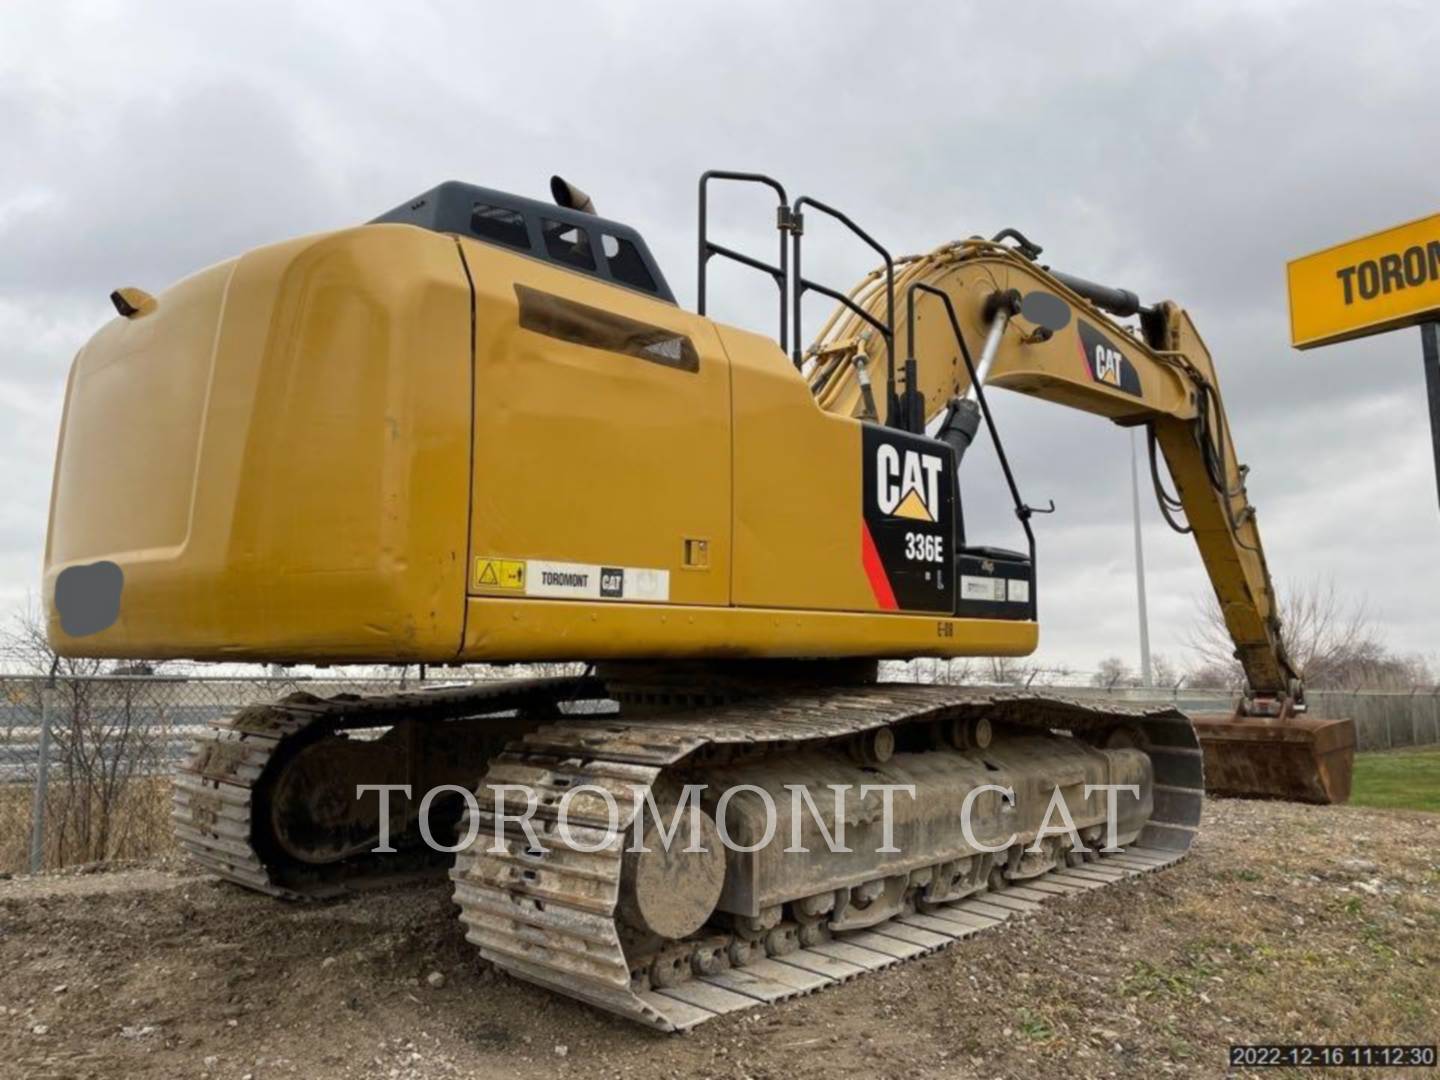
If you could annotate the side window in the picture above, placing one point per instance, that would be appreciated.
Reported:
(502, 226)
(626, 265)
(568, 244)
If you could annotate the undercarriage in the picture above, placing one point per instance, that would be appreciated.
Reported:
(817, 832)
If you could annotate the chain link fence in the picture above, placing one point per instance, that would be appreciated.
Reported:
(85, 761)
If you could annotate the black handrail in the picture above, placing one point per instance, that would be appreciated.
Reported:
(783, 217)
(1022, 510)
(801, 286)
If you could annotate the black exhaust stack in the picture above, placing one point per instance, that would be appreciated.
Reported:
(569, 196)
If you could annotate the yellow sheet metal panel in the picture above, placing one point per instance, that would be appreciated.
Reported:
(1379, 282)
(602, 437)
(523, 630)
(277, 457)
(135, 405)
(798, 478)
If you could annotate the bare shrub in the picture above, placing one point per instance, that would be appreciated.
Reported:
(108, 739)
(1164, 673)
(1332, 641)
(1113, 673)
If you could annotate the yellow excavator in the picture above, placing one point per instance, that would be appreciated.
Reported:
(479, 429)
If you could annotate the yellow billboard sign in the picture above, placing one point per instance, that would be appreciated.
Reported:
(1379, 282)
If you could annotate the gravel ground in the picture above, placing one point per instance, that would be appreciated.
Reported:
(1287, 924)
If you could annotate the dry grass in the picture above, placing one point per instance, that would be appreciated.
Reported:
(139, 825)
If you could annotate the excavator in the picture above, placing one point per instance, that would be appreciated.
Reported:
(479, 430)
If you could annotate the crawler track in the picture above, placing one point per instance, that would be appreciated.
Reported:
(220, 810)
(553, 917)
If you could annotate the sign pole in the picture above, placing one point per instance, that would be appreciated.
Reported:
(1430, 344)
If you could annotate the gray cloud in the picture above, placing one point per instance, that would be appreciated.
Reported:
(1186, 152)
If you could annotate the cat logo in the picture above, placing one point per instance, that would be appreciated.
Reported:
(612, 582)
(907, 482)
(1106, 363)
(907, 485)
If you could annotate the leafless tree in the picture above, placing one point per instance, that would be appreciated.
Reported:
(1208, 675)
(1164, 673)
(1003, 670)
(106, 734)
(1332, 641)
(977, 670)
(945, 672)
(1114, 672)
(24, 640)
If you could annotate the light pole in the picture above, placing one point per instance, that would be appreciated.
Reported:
(1146, 678)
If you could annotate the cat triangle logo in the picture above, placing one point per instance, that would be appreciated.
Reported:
(912, 506)
(907, 482)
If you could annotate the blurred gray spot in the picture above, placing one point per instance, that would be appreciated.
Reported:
(88, 597)
(1045, 309)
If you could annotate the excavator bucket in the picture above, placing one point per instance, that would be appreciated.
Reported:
(1298, 758)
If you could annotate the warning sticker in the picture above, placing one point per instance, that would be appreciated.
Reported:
(500, 575)
(571, 581)
(981, 588)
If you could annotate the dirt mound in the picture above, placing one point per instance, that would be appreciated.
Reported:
(1287, 924)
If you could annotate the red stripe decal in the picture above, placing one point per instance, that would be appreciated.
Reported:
(875, 570)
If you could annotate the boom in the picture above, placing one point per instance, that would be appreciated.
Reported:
(1048, 335)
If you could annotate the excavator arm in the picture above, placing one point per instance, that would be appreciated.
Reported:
(984, 312)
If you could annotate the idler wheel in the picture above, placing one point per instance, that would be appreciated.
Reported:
(671, 893)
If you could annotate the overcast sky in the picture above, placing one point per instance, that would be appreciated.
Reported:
(1185, 151)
